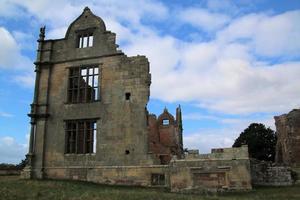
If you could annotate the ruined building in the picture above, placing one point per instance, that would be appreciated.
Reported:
(165, 136)
(89, 120)
(288, 138)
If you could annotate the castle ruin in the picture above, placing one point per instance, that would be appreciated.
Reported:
(89, 120)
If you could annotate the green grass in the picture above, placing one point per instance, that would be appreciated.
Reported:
(11, 187)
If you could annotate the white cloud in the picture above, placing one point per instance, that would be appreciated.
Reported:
(131, 11)
(11, 151)
(25, 40)
(222, 74)
(8, 48)
(274, 35)
(204, 19)
(5, 114)
(25, 79)
(56, 33)
(50, 11)
(277, 35)
(10, 56)
(206, 139)
(199, 116)
(12, 59)
(8, 140)
(10, 9)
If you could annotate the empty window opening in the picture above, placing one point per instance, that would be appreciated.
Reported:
(81, 136)
(127, 95)
(127, 152)
(83, 84)
(164, 159)
(85, 40)
(166, 122)
(94, 138)
(157, 179)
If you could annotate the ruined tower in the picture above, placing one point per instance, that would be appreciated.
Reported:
(165, 139)
(288, 138)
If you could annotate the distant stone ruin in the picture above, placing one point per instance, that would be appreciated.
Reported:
(288, 142)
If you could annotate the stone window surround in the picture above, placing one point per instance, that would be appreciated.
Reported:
(81, 34)
(73, 133)
(85, 40)
(75, 91)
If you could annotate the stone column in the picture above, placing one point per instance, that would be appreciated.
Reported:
(27, 172)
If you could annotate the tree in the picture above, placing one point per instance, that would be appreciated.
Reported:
(261, 141)
(22, 164)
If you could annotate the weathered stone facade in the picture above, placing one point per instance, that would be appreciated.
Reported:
(222, 169)
(288, 142)
(269, 174)
(89, 120)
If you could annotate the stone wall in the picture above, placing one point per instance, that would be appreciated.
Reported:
(288, 142)
(221, 153)
(217, 173)
(112, 175)
(268, 174)
(122, 131)
(226, 169)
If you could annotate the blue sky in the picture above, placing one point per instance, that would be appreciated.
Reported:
(228, 63)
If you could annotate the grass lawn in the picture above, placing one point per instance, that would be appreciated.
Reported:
(11, 187)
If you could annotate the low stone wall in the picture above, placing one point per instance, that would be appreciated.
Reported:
(267, 174)
(223, 169)
(180, 176)
(8, 172)
(113, 175)
(220, 154)
(210, 175)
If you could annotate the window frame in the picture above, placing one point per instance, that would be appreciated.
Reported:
(79, 89)
(88, 135)
(166, 120)
(89, 36)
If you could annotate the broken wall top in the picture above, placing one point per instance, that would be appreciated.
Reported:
(291, 119)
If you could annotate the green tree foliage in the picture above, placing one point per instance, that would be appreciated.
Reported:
(261, 141)
(7, 166)
(22, 164)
